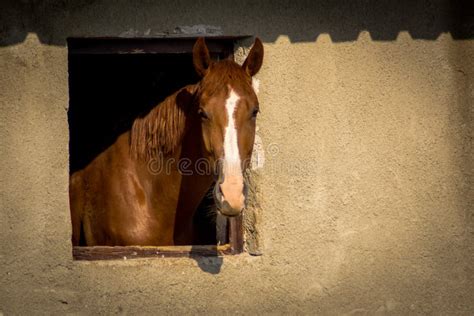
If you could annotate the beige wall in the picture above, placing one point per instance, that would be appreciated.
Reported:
(366, 199)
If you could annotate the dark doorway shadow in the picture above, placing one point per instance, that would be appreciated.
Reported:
(109, 91)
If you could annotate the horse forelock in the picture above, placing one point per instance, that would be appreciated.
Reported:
(224, 74)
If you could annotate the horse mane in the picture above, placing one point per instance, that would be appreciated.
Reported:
(162, 129)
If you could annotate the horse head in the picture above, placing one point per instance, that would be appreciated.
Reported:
(227, 107)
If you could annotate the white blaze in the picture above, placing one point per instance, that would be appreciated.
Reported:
(231, 147)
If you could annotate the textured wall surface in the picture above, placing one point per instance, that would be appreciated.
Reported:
(366, 196)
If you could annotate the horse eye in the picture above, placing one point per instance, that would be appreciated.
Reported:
(203, 114)
(255, 112)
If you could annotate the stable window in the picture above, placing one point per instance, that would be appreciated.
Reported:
(112, 81)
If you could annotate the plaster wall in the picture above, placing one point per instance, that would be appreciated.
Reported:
(365, 201)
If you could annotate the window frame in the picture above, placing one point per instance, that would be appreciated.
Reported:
(222, 45)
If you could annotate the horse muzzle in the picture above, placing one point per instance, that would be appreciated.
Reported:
(229, 202)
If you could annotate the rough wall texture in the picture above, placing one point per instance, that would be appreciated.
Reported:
(366, 194)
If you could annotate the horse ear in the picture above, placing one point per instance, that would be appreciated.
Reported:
(201, 57)
(255, 58)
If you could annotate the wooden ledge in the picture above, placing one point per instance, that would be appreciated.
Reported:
(134, 252)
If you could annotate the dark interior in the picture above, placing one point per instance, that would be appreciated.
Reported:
(108, 91)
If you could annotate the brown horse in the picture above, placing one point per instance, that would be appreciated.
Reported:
(145, 188)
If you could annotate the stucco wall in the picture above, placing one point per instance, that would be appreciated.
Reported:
(366, 195)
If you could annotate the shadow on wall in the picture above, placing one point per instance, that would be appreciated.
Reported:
(208, 264)
(302, 21)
